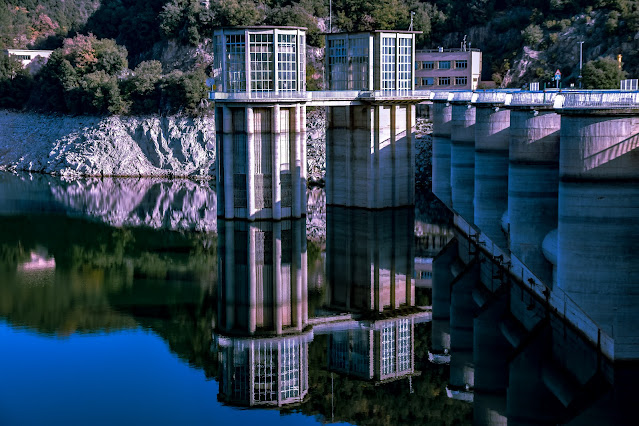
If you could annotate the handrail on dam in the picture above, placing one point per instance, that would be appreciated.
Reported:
(557, 300)
(595, 100)
(533, 98)
(324, 95)
(559, 99)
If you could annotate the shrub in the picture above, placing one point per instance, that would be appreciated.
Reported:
(602, 73)
(532, 35)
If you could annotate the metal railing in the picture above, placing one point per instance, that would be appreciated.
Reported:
(240, 96)
(322, 95)
(493, 97)
(533, 98)
(465, 96)
(594, 100)
(556, 299)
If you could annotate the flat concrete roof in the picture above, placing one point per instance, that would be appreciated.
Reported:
(260, 27)
(375, 31)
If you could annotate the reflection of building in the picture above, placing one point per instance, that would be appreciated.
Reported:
(263, 371)
(262, 285)
(262, 292)
(447, 69)
(380, 351)
(424, 272)
(370, 259)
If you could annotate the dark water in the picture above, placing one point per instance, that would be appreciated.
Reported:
(126, 302)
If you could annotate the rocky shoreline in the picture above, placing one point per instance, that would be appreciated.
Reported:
(151, 146)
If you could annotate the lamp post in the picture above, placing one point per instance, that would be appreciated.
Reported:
(581, 57)
(330, 16)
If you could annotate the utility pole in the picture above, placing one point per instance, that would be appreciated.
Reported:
(411, 21)
(581, 60)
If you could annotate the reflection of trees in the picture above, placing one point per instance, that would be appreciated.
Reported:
(361, 402)
(108, 278)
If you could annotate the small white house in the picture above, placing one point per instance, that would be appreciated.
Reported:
(28, 56)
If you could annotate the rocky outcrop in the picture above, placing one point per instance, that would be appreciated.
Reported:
(316, 146)
(109, 146)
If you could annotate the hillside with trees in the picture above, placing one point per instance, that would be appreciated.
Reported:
(107, 52)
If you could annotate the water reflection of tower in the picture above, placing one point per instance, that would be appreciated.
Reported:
(370, 259)
(370, 274)
(262, 313)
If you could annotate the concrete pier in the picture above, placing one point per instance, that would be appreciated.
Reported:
(492, 137)
(462, 154)
(598, 204)
(260, 95)
(490, 357)
(533, 178)
(371, 259)
(263, 288)
(462, 312)
(369, 156)
(442, 278)
(442, 112)
(262, 173)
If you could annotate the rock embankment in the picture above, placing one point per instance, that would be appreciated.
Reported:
(152, 146)
(107, 146)
(316, 146)
(423, 153)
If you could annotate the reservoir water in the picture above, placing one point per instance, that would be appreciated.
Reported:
(126, 301)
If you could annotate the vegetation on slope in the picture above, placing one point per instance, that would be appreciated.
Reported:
(522, 41)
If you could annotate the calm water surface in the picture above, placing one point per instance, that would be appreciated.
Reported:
(126, 302)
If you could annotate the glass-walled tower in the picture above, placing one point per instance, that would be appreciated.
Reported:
(378, 60)
(260, 114)
(369, 141)
(259, 59)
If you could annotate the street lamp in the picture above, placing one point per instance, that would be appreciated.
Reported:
(581, 57)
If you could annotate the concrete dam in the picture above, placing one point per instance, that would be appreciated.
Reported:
(535, 294)
(537, 291)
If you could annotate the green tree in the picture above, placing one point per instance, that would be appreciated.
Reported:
(186, 20)
(231, 13)
(183, 91)
(142, 89)
(15, 82)
(98, 93)
(532, 35)
(298, 17)
(603, 73)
